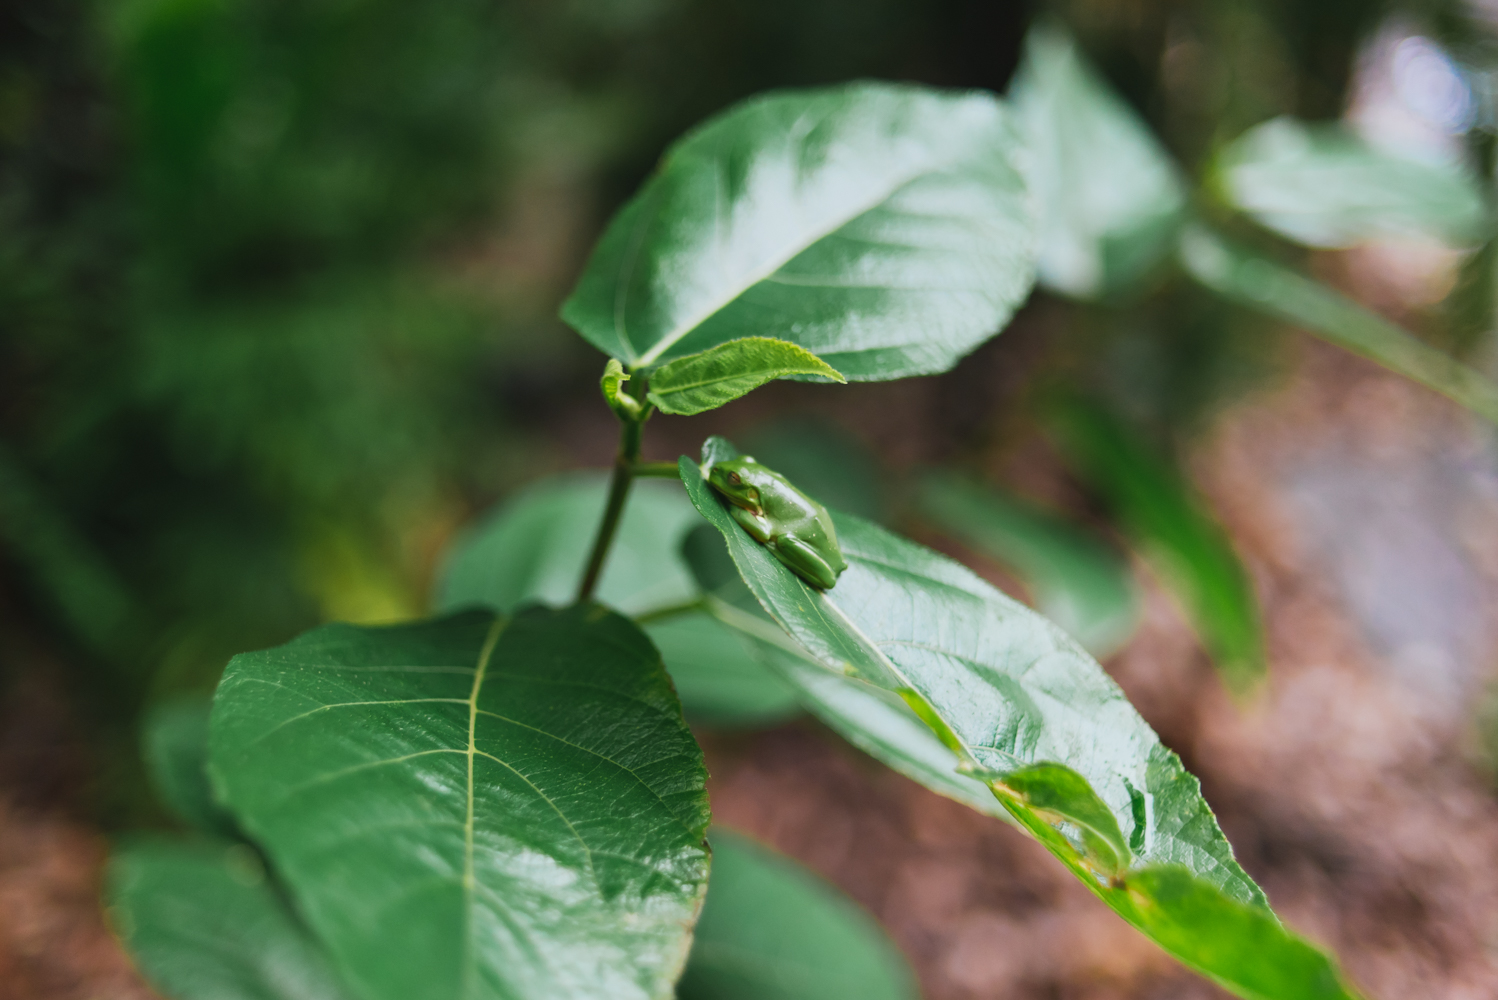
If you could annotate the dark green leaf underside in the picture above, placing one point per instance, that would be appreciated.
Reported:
(515, 800)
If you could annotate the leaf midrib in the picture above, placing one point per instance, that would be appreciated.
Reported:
(749, 373)
(486, 652)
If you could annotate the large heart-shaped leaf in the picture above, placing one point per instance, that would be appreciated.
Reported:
(477, 806)
(1109, 195)
(1325, 186)
(884, 228)
(1005, 691)
(772, 930)
(203, 922)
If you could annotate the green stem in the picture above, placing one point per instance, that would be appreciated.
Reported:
(670, 611)
(627, 465)
(754, 626)
(624, 465)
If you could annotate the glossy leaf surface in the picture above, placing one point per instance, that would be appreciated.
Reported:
(877, 721)
(1109, 195)
(701, 382)
(1254, 281)
(1325, 186)
(1173, 528)
(534, 547)
(884, 228)
(174, 742)
(1078, 581)
(882, 725)
(771, 930)
(476, 806)
(1004, 690)
(202, 922)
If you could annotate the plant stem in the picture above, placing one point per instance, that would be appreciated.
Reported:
(754, 626)
(624, 464)
(627, 465)
(670, 611)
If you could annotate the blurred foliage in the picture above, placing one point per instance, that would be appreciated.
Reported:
(278, 279)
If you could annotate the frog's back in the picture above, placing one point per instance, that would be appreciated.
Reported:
(783, 501)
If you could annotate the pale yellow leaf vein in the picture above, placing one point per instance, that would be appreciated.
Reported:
(566, 742)
(490, 641)
(352, 704)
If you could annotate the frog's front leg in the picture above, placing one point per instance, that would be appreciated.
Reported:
(756, 524)
(805, 561)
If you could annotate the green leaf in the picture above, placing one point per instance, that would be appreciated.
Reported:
(1078, 581)
(1261, 284)
(876, 721)
(1249, 952)
(1004, 690)
(771, 930)
(1110, 196)
(476, 806)
(534, 546)
(625, 406)
(701, 382)
(203, 922)
(721, 683)
(884, 228)
(1066, 803)
(1171, 526)
(175, 746)
(1324, 186)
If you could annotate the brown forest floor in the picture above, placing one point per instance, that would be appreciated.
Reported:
(1351, 787)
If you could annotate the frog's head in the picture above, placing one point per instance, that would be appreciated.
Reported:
(734, 480)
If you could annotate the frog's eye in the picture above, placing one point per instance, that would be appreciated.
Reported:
(735, 478)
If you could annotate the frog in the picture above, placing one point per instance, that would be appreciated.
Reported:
(795, 528)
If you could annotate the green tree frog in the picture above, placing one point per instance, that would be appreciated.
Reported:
(795, 528)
